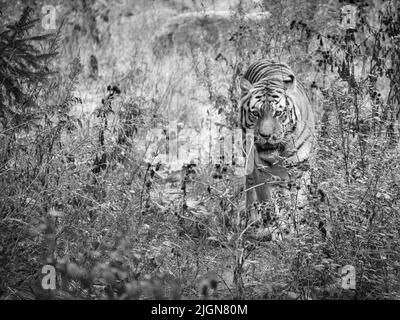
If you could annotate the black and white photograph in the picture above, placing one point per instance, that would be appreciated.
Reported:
(212, 151)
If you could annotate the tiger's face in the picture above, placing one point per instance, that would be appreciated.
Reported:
(270, 113)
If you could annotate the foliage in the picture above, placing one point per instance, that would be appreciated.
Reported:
(78, 193)
(22, 64)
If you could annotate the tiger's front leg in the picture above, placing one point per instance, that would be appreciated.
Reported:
(257, 186)
(257, 190)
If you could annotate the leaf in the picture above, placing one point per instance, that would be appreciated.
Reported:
(74, 271)
(171, 244)
(38, 38)
(54, 213)
(319, 267)
(159, 259)
(212, 239)
(292, 295)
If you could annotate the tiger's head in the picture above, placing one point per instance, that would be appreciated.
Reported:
(268, 108)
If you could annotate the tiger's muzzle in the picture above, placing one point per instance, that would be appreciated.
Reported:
(267, 151)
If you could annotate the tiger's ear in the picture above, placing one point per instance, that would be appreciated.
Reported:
(245, 85)
(289, 82)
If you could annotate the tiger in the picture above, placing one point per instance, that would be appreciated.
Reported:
(277, 122)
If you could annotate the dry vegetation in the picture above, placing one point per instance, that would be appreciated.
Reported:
(81, 191)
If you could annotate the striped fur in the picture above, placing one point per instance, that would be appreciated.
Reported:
(275, 105)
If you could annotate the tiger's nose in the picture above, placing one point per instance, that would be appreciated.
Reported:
(270, 137)
(265, 136)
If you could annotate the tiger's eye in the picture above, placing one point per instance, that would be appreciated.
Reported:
(278, 113)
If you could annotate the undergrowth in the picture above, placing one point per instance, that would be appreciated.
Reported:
(82, 192)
